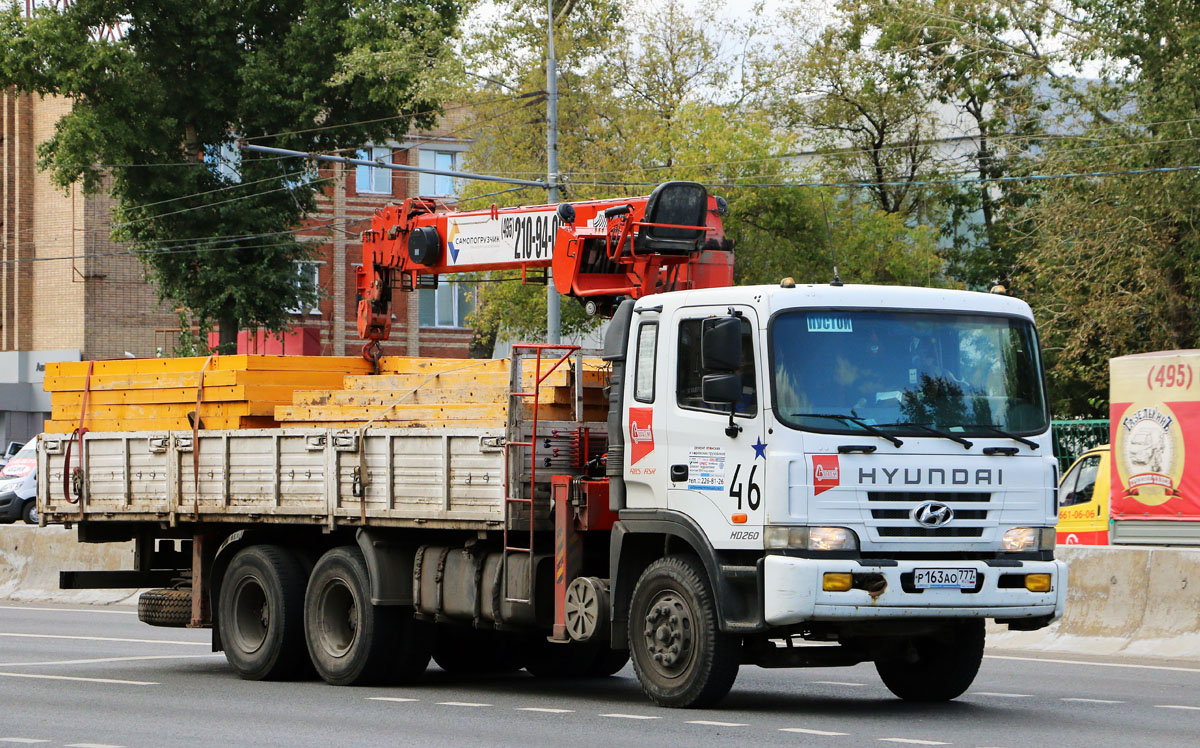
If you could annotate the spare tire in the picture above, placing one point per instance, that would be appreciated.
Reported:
(166, 607)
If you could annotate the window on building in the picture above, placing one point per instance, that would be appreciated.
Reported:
(447, 305)
(370, 178)
(435, 185)
(225, 160)
(308, 275)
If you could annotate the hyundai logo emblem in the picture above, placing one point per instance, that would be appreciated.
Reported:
(932, 514)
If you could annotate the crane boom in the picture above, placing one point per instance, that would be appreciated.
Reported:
(599, 250)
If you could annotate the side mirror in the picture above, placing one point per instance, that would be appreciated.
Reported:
(722, 389)
(721, 345)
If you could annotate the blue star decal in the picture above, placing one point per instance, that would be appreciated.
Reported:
(760, 448)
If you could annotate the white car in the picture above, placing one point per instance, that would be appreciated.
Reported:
(18, 486)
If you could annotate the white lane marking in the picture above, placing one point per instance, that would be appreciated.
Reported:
(107, 639)
(92, 745)
(1095, 664)
(806, 731)
(1177, 706)
(1003, 695)
(461, 703)
(544, 710)
(22, 740)
(628, 716)
(838, 683)
(110, 659)
(81, 680)
(1093, 701)
(712, 723)
(397, 699)
(70, 610)
(913, 741)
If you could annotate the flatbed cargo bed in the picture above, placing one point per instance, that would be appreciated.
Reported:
(449, 478)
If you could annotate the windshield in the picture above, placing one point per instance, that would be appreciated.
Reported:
(22, 463)
(900, 371)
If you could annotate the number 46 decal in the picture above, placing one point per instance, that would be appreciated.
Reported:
(753, 491)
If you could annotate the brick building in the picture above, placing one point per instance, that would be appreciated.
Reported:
(67, 292)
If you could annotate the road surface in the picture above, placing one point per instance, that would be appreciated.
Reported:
(94, 677)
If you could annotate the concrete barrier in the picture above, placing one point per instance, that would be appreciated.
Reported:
(1121, 600)
(31, 557)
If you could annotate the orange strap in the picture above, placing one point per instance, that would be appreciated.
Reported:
(196, 444)
(79, 432)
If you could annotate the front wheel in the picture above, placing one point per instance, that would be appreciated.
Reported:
(29, 512)
(679, 653)
(936, 669)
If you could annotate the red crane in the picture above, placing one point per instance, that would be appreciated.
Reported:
(599, 250)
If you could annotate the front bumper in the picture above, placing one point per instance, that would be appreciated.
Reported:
(792, 592)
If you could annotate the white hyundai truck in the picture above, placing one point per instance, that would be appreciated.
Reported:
(796, 476)
(788, 476)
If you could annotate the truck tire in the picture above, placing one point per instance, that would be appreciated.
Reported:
(352, 642)
(936, 669)
(166, 607)
(29, 512)
(261, 614)
(679, 653)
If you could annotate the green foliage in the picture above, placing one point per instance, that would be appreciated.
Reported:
(1114, 261)
(783, 233)
(159, 108)
(649, 96)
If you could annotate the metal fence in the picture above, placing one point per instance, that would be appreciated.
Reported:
(1073, 438)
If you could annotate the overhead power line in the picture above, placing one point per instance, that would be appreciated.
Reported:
(927, 182)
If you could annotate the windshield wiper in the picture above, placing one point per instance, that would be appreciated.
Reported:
(851, 419)
(936, 432)
(997, 430)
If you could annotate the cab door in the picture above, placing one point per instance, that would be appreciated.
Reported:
(717, 451)
(1083, 500)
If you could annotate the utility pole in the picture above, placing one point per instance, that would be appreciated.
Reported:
(553, 313)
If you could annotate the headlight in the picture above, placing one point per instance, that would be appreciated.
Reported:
(811, 538)
(1018, 539)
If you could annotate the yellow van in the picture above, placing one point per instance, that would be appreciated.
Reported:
(1083, 499)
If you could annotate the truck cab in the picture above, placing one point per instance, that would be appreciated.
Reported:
(864, 465)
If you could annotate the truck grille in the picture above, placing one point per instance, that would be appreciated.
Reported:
(891, 512)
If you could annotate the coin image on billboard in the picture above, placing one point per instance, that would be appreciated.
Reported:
(1149, 453)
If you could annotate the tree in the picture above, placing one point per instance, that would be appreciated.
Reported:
(988, 59)
(1114, 267)
(159, 106)
(864, 108)
(657, 95)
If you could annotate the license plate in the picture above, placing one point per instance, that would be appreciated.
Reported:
(955, 579)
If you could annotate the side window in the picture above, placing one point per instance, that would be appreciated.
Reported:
(1080, 485)
(643, 390)
(690, 375)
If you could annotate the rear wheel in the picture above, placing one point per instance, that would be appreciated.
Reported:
(261, 614)
(679, 653)
(936, 669)
(351, 641)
